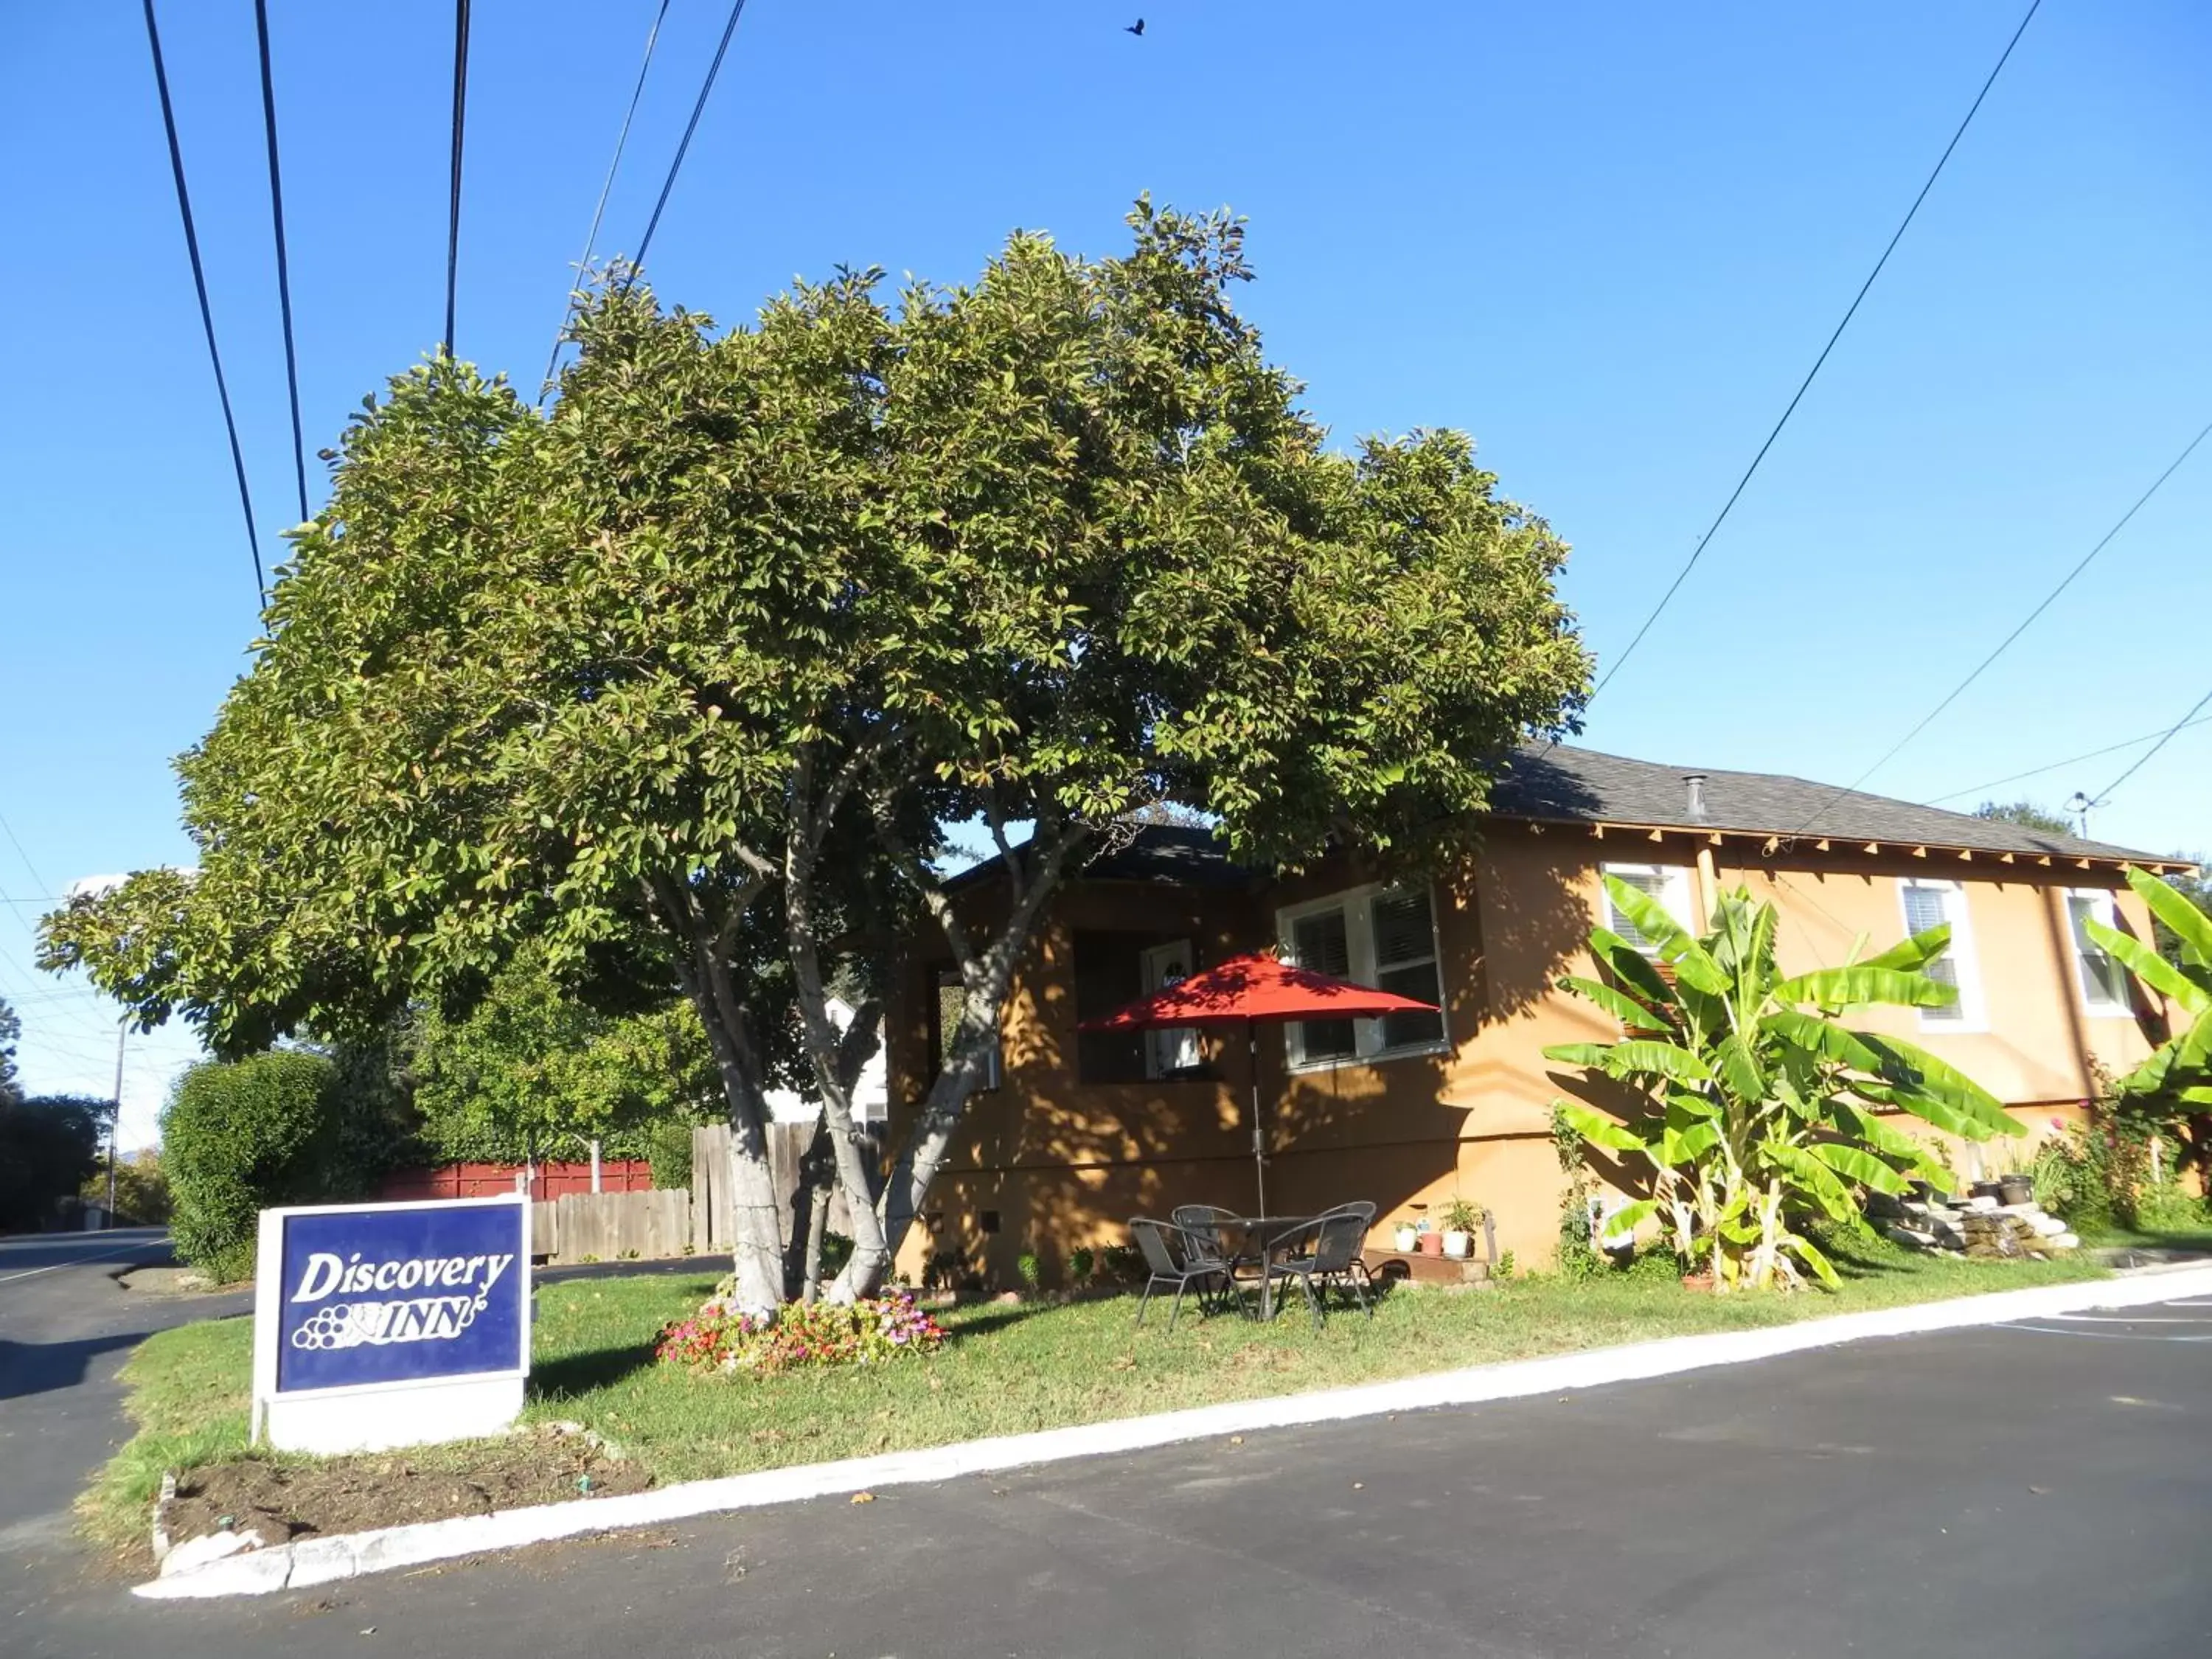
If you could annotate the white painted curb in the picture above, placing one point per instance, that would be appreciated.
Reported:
(320, 1560)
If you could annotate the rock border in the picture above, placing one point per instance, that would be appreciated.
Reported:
(325, 1560)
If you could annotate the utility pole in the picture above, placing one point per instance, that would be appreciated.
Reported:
(115, 1118)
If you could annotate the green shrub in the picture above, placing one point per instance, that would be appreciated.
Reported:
(238, 1137)
(668, 1148)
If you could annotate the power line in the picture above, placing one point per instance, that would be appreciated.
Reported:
(598, 211)
(2005, 644)
(1713, 529)
(2141, 760)
(2071, 760)
(698, 108)
(200, 285)
(283, 264)
(454, 199)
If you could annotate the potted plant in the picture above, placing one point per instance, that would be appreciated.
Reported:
(1460, 1219)
(1407, 1236)
(1430, 1242)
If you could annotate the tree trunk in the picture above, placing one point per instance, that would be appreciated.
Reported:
(810, 1214)
(758, 1246)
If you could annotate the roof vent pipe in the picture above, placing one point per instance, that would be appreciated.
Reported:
(1694, 784)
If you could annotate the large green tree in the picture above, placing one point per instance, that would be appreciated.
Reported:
(680, 679)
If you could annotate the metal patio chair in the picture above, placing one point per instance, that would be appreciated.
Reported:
(1333, 1258)
(1185, 1260)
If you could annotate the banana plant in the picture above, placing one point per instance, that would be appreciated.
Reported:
(2180, 1068)
(1756, 1106)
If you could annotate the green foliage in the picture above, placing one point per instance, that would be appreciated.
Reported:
(1463, 1215)
(1081, 1261)
(2028, 814)
(1750, 1106)
(679, 678)
(2194, 886)
(532, 1070)
(1030, 1270)
(11, 1032)
(241, 1136)
(49, 1144)
(142, 1190)
(668, 1149)
(2104, 1174)
(2176, 1079)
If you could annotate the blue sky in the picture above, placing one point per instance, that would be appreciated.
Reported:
(1606, 238)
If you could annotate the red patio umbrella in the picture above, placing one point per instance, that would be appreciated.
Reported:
(1250, 990)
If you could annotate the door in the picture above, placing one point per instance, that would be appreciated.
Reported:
(1175, 1048)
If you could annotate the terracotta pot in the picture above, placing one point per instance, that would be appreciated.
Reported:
(1697, 1281)
(1432, 1244)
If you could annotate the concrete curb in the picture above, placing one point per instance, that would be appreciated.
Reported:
(322, 1560)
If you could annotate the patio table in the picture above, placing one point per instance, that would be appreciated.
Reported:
(1261, 1234)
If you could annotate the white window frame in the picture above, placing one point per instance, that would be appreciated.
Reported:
(1170, 1050)
(2107, 912)
(1676, 896)
(1970, 1013)
(1358, 905)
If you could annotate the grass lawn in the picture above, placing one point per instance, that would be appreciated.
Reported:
(1004, 1368)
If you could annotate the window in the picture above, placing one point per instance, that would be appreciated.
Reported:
(1113, 967)
(1380, 936)
(1932, 904)
(950, 998)
(2104, 980)
(1668, 883)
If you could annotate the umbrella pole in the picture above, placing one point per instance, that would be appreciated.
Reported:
(1258, 1138)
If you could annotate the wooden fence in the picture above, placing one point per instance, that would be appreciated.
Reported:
(647, 1225)
(612, 1226)
(547, 1181)
(713, 1226)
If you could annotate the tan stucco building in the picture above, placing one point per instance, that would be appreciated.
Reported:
(1085, 1130)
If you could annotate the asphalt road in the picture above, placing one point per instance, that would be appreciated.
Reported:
(2023, 1491)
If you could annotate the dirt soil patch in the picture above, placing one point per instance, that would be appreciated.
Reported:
(283, 1500)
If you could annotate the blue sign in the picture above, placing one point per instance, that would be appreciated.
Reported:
(401, 1293)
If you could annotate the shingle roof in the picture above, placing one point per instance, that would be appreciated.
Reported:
(1565, 784)
(1582, 786)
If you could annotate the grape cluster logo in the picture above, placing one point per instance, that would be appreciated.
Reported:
(348, 1324)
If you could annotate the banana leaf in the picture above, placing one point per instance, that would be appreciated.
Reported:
(1691, 965)
(1937, 1114)
(1916, 1069)
(1630, 965)
(1634, 1057)
(2190, 925)
(1739, 1067)
(1865, 1127)
(1600, 1130)
(2146, 965)
(1628, 1217)
(1864, 985)
(1812, 1178)
(1915, 953)
(1823, 1270)
(1853, 1164)
(1626, 1009)
(1822, 1038)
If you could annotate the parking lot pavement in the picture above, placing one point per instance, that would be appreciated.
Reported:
(2035, 1490)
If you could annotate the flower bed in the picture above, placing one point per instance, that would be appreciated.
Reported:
(870, 1332)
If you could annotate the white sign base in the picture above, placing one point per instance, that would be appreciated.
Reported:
(383, 1420)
